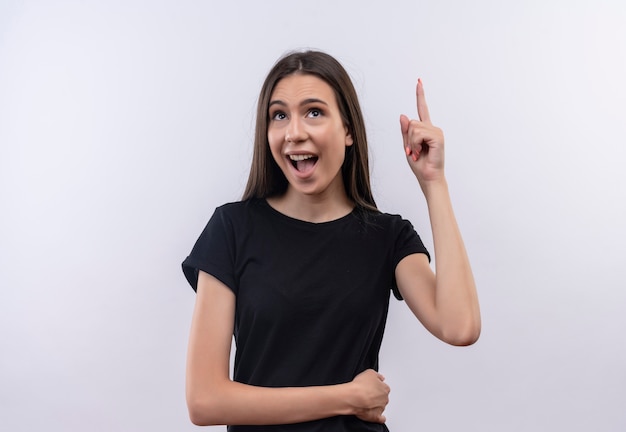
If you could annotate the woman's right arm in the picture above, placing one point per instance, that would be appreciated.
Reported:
(213, 398)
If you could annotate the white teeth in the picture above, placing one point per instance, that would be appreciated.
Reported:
(300, 157)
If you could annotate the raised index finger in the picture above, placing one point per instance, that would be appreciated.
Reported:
(422, 107)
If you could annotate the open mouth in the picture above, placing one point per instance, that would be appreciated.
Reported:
(303, 163)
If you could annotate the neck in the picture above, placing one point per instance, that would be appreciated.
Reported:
(312, 208)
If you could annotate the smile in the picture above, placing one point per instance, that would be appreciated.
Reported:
(303, 162)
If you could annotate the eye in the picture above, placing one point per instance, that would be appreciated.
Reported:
(315, 112)
(278, 115)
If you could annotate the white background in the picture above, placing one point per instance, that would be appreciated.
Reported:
(123, 124)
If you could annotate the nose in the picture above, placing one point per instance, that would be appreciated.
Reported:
(295, 132)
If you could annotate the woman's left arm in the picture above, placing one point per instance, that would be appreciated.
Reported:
(446, 301)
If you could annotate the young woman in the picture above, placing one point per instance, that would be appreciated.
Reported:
(301, 270)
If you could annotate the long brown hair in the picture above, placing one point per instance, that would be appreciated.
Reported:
(266, 179)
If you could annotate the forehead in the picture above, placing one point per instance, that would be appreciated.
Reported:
(298, 87)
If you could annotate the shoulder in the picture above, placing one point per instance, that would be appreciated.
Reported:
(230, 218)
(239, 210)
(398, 232)
(385, 221)
(240, 207)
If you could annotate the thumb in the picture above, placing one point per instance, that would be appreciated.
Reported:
(404, 128)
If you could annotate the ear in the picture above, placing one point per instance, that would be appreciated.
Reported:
(349, 140)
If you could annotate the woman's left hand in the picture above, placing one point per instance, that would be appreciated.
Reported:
(423, 142)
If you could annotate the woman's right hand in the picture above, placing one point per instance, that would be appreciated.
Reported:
(371, 396)
(214, 399)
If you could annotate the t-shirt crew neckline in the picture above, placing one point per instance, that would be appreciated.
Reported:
(304, 223)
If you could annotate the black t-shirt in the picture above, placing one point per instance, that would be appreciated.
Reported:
(311, 298)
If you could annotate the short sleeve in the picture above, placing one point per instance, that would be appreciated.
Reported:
(213, 252)
(407, 242)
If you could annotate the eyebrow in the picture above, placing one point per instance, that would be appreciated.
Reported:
(303, 103)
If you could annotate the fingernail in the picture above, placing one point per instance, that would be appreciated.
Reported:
(414, 158)
(407, 150)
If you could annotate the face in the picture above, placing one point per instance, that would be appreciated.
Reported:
(307, 136)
